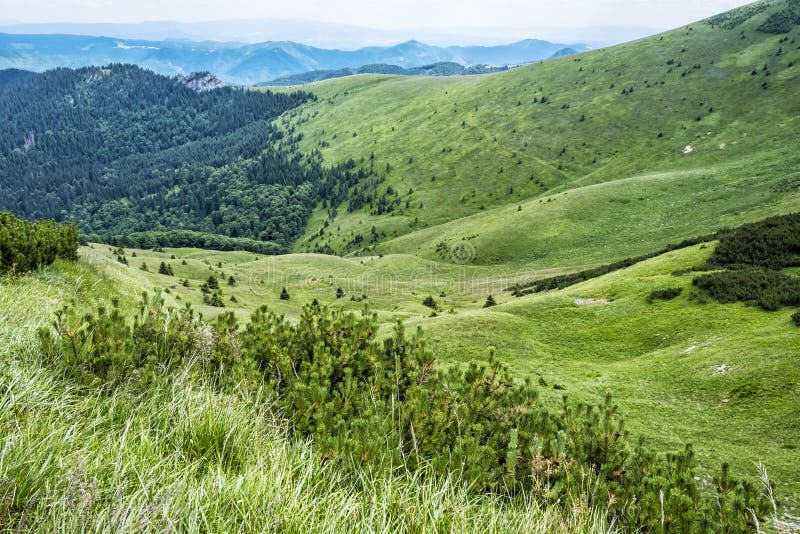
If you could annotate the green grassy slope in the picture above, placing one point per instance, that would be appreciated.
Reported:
(183, 456)
(483, 146)
(723, 377)
(663, 361)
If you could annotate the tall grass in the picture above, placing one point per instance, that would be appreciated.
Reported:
(183, 457)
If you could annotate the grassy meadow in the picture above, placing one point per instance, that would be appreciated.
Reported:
(687, 131)
(720, 376)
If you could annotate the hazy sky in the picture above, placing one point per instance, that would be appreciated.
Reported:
(390, 15)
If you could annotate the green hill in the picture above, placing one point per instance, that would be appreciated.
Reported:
(635, 146)
(721, 376)
(194, 408)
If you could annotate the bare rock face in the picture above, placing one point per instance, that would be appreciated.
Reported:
(201, 82)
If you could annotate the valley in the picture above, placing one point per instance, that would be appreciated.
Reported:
(562, 297)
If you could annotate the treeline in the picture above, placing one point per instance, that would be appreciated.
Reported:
(187, 238)
(121, 150)
(784, 20)
(753, 257)
(25, 246)
(566, 280)
(370, 404)
(11, 77)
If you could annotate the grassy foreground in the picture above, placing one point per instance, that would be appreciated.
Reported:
(75, 459)
(690, 370)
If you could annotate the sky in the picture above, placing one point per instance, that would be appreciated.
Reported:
(390, 15)
(442, 22)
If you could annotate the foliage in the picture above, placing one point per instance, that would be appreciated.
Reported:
(120, 150)
(773, 243)
(11, 77)
(733, 18)
(796, 318)
(664, 294)
(782, 22)
(188, 238)
(373, 405)
(26, 246)
(755, 254)
(489, 302)
(765, 288)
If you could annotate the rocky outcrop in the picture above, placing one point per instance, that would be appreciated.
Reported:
(201, 82)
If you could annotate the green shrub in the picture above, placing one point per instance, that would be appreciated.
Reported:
(781, 22)
(762, 287)
(370, 404)
(773, 243)
(664, 294)
(26, 246)
(796, 318)
(430, 302)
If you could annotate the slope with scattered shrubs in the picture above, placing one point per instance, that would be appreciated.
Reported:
(370, 406)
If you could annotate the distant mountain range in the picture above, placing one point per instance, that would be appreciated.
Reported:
(239, 63)
(326, 34)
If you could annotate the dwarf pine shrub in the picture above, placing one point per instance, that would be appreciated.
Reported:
(25, 246)
(369, 404)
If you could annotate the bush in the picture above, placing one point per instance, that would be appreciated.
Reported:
(762, 287)
(489, 302)
(664, 294)
(370, 404)
(773, 243)
(430, 302)
(27, 246)
(796, 318)
(284, 294)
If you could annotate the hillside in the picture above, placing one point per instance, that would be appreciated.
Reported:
(576, 161)
(434, 69)
(120, 149)
(246, 64)
(560, 298)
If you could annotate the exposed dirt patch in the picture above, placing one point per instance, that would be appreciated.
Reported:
(583, 302)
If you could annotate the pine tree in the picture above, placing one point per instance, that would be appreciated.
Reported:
(489, 302)
(339, 292)
(430, 302)
(284, 294)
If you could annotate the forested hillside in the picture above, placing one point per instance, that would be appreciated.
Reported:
(120, 149)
